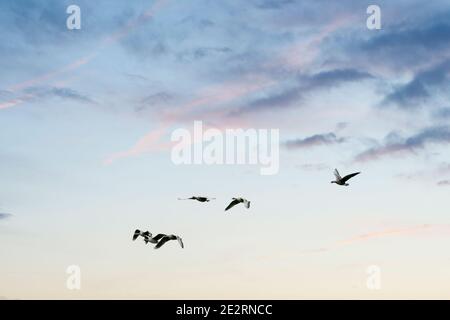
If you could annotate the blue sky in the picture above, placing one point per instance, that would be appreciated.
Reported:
(86, 117)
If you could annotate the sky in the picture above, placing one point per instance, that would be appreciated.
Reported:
(86, 118)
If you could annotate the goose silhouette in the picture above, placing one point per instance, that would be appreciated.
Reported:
(342, 181)
(200, 199)
(237, 201)
(162, 238)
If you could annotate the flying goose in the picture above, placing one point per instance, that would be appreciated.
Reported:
(146, 235)
(201, 199)
(163, 238)
(236, 201)
(343, 181)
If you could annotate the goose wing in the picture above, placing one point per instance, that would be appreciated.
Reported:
(180, 241)
(337, 175)
(232, 204)
(349, 176)
(136, 234)
(159, 236)
(149, 239)
(163, 240)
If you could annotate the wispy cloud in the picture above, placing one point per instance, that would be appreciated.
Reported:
(60, 92)
(5, 216)
(341, 126)
(421, 87)
(273, 4)
(305, 85)
(432, 135)
(389, 232)
(202, 52)
(241, 84)
(432, 174)
(314, 140)
(422, 40)
(43, 79)
(209, 96)
(422, 229)
(155, 100)
(442, 113)
(443, 183)
(32, 94)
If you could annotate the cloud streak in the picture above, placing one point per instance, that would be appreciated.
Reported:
(314, 140)
(388, 232)
(108, 40)
(60, 92)
(432, 135)
(211, 99)
(444, 183)
(422, 229)
(305, 85)
(421, 88)
(5, 216)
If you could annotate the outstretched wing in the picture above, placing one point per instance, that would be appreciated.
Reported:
(349, 176)
(180, 241)
(337, 175)
(149, 239)
(136, 234)
(232, 204)
(159, 236)
(163, 240)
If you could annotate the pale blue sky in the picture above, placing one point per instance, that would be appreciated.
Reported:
(86, 117)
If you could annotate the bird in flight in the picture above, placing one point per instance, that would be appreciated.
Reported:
(161, 239)
(146, 235)
(201, 199)
(342, 181)
(237, 201)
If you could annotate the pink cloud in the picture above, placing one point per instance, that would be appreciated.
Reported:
(305, 52)
(110, 39)
(214, 96)
(423, 229)
(387, 232)
(208, 98)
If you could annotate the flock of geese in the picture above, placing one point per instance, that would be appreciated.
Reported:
(231, 205)
(161, 238)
